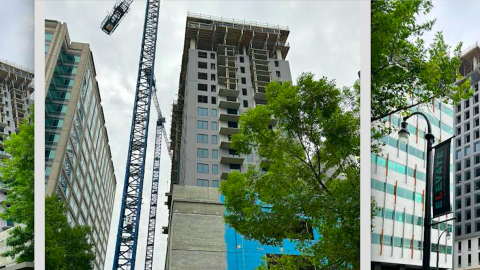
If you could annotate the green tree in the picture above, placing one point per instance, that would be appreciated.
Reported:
(402, 67)
(309, 177)
(66, 247)
(18, 177)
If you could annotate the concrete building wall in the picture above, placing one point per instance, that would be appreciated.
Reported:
(78, 160)
(197, 229)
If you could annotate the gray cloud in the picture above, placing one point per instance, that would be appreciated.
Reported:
(324, 39)
(16, 32)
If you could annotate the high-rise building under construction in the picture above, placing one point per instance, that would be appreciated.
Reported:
(226, 66)
(78, 161)
(16, 89)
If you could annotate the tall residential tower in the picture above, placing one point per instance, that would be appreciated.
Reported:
(467, 167)
(225, 68)
(78, 161)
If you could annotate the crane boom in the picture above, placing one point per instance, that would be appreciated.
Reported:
(127, 234)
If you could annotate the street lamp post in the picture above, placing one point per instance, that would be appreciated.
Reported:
(438, 243)
(403, 134)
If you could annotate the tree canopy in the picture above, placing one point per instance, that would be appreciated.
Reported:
(18, 178)
(404, 71)
(66, 247)
(308, 179)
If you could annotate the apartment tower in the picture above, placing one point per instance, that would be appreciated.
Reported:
(78, 161)
(398, 176)
(467, 167)
(16, 90)
(226, 65)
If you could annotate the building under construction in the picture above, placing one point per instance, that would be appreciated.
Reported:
(466, 166)
(226, 65)
(16, 88)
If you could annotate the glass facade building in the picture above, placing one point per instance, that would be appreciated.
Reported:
(398, 176)
(78, 162)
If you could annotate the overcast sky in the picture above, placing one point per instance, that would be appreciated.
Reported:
(458, 20)
(324, 39)
(16, 32)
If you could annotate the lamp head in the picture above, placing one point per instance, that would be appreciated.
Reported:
(448, 235)
(403, 134)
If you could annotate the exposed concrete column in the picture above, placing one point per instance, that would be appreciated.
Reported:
(193, 44)
(279, 54)
(244, 50)
(475, 61)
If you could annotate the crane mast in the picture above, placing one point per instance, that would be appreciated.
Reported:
(127, 234)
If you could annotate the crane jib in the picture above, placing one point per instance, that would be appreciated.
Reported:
(127, 234)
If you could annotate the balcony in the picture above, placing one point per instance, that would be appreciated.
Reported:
(230, 129)
(228, 82)
(229, 103)
(8, 225)
(225, 174)
(3, 188)
(3, 122)
(224, 92)
(4, 154)
(232, 159)
(231, 115)
(228, 71)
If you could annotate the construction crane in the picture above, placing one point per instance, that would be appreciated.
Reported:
(127, 234)
(160, 131)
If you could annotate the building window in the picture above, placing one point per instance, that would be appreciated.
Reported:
(202, 54)
(477, 160)
(202, 124)
(276, 63)
(202, 168)
(214, 112)
(468, 228)
(215, 183)
(467, 175)
(244, 91)
(213, 88)
(214, 169)
(202, 99)
(250, 158)
(467, 138)
(202, 182)
(467, 188)
(202, 65)
(242, 69)
(214, 100)
(467, 201)
(202, 76)
(212, 55)
(212, 77)
(476, 146)
(242, 60)
(459, 178)
(458, 191)
(467, 115)
(202, 87)
(202, 111)
(212, 66)
(458, 230)
(214, 154)
(245, 103)
(244, 80)
(202, 153)
(459, 118)
(278, 73)
(214, 125)
(467, 150)
(202, 138)
(214, 139)
(458, 204)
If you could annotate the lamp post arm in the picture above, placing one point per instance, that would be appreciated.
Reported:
(424, 116)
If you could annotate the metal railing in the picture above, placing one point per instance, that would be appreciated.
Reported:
(17, 66)
(242, 24)
(469, 49)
